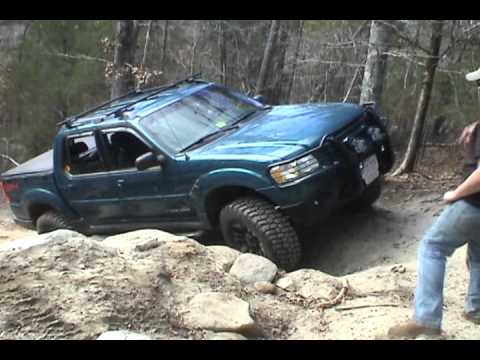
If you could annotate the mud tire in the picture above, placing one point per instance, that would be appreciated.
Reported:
(275, 235)
(51, 221)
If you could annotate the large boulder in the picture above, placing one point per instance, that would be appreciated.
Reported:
(219, 312)
(140, 238)
(250, 268)
(57, 236)
(224, 255)
(226, 336)
(123, 335)
(311, 284)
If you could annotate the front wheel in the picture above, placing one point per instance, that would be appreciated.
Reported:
(253, 225)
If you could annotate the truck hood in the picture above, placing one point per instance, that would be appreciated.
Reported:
(283, 131)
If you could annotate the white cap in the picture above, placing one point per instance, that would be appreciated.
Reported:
(473, 76)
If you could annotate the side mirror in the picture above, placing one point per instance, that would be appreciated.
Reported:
(259, 98)
(149, 160)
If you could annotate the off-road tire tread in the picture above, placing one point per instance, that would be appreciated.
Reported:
(50, 221)
(273, 225)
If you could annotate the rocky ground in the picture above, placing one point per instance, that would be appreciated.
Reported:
(356, 281)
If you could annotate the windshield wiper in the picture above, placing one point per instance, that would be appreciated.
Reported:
(244, 117)
(210, 136)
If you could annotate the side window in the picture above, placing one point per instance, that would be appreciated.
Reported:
(125, 148)
(82, 156)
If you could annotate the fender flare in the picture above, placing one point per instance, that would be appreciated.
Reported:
(229, 177)
(42, 197)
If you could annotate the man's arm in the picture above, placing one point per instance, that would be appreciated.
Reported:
(470, 186)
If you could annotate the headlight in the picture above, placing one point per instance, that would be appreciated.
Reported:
(294, 170)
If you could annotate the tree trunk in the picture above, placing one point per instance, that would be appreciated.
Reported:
(321, 87)
(278, 76)
(267, 57)
(164, 47)
(124, 57)
(291, 79)
(408, 163)
(195, 41)
(147, 42)
(222, 44)
(376, 64)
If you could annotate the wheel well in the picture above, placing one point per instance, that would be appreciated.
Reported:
(218, 198)
(37, 210)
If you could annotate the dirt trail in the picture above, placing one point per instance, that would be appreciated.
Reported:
(386, 234)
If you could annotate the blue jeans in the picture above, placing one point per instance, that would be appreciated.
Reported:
(459, 224)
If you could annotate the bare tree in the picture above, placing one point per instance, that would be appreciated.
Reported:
(195, 42)
(222, 43)
(291, 79)
(408, 162)
(124, 57)
(278, 77)
(267, 57)
(165, 43)
(376, 64)
(147, 42)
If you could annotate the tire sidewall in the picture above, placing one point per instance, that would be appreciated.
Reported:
(51, 221)
(229, 216)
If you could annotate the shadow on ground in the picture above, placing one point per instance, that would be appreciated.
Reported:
(348, 242)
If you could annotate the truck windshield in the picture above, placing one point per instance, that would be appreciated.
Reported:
(196, 116)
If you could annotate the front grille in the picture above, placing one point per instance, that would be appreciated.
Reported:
(354, 143)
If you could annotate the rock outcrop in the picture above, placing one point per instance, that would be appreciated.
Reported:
(153, 285)
(250, 268)
(219, 312)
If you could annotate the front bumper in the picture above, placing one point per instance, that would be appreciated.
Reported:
(318, 195)
(311, 198)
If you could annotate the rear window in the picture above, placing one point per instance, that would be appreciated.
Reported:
(82, 156)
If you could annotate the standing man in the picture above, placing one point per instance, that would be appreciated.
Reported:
(457, 225)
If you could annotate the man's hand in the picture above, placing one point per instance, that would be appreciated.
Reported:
(468, 133)
(468, 140)
(450, 196)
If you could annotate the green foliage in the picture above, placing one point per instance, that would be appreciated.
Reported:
(46, 81)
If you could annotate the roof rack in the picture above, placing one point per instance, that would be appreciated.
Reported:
(70, 121)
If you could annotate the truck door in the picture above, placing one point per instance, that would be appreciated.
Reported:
(84, 181)
(146, 195)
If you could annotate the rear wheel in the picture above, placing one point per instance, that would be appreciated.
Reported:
(51, 221)
(253, 225)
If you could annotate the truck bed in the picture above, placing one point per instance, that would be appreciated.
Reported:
(40, 164)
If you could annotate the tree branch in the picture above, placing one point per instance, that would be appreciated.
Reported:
(400, 35)
(6, 157)
(78, 57)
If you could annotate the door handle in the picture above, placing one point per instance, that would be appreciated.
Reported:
(120, 182)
